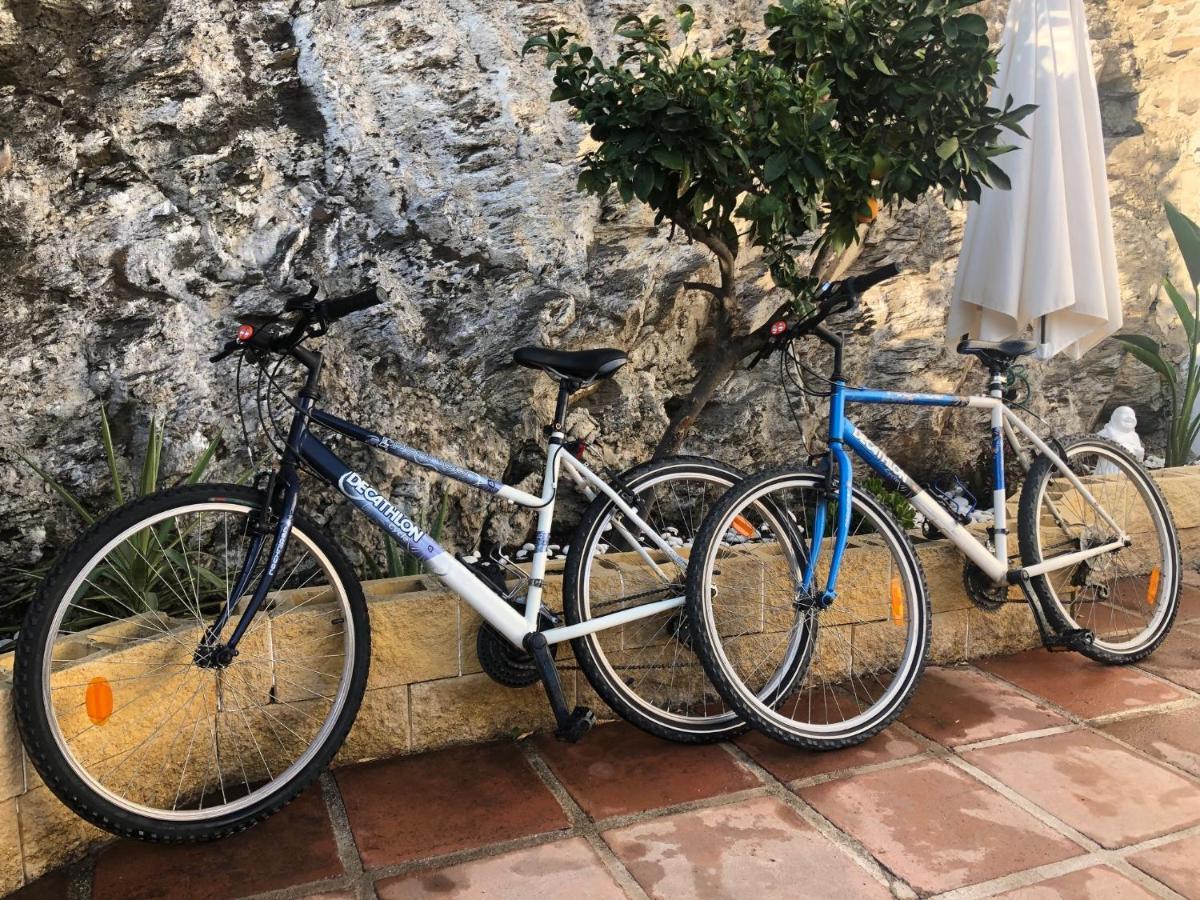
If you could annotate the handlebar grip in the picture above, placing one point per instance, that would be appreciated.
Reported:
(865, 282)
(332, 310)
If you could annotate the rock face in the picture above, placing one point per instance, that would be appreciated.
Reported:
(175, 164)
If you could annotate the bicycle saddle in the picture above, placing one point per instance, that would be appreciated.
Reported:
(996, 353)
(581, 365)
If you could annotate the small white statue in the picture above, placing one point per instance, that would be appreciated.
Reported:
(1121, 429)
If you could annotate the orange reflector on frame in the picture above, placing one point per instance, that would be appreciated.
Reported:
(897, 600)
(1152, 587)
(99, 700)
(742, 526)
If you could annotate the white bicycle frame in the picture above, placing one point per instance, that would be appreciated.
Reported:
(1005, 426)
(458, 577)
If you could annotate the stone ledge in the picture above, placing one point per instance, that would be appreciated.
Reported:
(426, 689)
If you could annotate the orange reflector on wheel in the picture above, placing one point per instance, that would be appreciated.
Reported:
(743, 527)
(1152, 587)
(99, 700)
(897, 601)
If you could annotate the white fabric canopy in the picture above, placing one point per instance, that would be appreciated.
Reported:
(1042, 254)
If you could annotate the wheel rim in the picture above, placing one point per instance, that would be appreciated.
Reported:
(244, 718)
(1127, 592)
(827, 674)
(639, 656)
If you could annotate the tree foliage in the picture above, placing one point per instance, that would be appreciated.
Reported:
(775, 142)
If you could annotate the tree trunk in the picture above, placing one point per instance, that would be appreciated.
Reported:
(729, 350)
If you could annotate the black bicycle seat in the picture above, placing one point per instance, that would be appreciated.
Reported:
(580, 365)
(997, 353)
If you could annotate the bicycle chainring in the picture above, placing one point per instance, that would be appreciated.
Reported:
(984, 593)
(504, 663)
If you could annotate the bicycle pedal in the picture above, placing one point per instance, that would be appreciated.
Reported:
(579, 723)
(1072, 640)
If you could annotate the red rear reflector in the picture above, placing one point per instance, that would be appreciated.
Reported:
(741, 525)
(245, 332)
(778, 328)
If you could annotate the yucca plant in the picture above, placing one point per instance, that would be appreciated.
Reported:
(133, 579)
(1180, 387)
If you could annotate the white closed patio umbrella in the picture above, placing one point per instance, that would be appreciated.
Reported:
(1041, 256)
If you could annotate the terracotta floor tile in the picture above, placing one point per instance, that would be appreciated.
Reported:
(1079, 685)
(1174, 865)
(1173, 737)
(1095, 883)
(1095, 785)
(1189, 604)
(791, 763)
(55, 886)
(961, 706)
(937, 827)
(293, 847)
(619, 769)
(562, 869)
(420, 806)
(754, 849)
(1178, 657)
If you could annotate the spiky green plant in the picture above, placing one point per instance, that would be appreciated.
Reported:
(136, 571)
(1181, 388)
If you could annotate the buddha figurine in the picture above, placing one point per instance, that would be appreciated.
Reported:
(1121, 429)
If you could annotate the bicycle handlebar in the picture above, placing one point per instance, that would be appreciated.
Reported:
(269, 339)
(835, 298)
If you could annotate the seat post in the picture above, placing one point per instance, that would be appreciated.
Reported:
(566, 388)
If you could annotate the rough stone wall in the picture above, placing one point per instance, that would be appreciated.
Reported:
(176, 163)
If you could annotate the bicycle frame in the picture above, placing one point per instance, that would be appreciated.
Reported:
(845, 437)
(304, 448)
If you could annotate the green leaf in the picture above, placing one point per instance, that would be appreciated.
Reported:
(150, 463)
(59, 489)
(643, 181)
(685, 16)
(670, 159)
(776, 165)
(1147, 352)
(1186, 316)
(947, 148)
(110, 455)
(972, 24)
(881, 65)
(1187, 236)
(201, 464)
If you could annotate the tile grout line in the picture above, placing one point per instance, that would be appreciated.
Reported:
(582, 824)
(856, 851)
(1091, 725)
(343, 834)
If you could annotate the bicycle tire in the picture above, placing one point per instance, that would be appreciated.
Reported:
(601, 673)
(34, 719)
(1170, 587)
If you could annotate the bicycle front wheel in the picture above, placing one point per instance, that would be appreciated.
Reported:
(1127, 597)
(142, 735)
(645, 669)
(813, 677)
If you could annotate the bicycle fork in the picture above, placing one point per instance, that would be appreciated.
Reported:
(212, 653)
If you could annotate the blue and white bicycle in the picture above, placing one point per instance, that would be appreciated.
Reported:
(199, 656)
(807, 599)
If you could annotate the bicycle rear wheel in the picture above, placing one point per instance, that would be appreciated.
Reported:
(1128, 597)
(138, 733)
(645, 670)
(813, 677)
